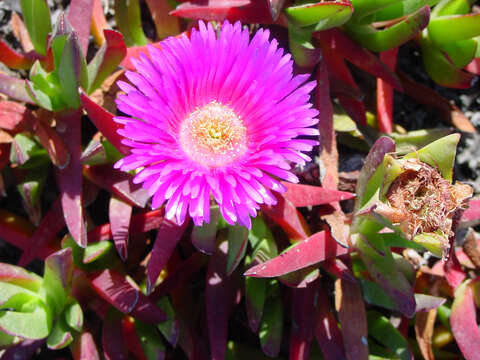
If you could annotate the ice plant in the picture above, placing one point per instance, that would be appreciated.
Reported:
(215, 114)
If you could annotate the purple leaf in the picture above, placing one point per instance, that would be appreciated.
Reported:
(463, 320)
(204, 237)
(70, 179)
(112, 337)
(83, 347)
(357, 55)
(218, 297)
(306, 195)
(118, 291)
(327, 333)
(79, 15)
(140, 223)
(16, 275)
(189, 267)
(428, 302)
(318, 247)
(117, 182)
(14, 88)
(24, 350)
(353, 319)
(103, 120)
(119, 214)
(286, 215)
(303, 306)
(48, 229)
(237, 245)
(253, 11)
(168, 235)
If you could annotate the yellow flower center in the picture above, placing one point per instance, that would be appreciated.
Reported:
(213, 135)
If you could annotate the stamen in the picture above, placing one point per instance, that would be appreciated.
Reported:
(213, 135)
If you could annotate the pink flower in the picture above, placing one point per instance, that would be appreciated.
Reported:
(215, 114)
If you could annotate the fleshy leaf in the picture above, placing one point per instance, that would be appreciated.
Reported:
(323, 15)
(384, 332)
(204, 237)
(168, 235)
(119, 214)
(237, 246)
(152, 343)
(112, 336)
(439, 154)
(106, 59)
(60, 336)
(80, 15)
(165, 24)
(393, 36)
(127, 15)
(301, 335)
(312, 250)
(307, 195)
(169, 328)
(463, 320)
(36, 16)
(30, 320)
(57, 277)
(74, 316)
(271, 327)
(19, 276)
(448, 29)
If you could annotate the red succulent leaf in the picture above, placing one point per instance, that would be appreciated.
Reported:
(103, 120)
(189, 267)
(79, 15)
(118, 291)
(338, 268)
(301, 334)
(472, 214)
(23, 350)
(328, 143)
(119, 214)
(286, 215)
(84, 347)
(250, 11)
(168, 235)
(50, 140)
(316, 248)
(353, 319)
(140, 223)
(70, 178)
(338, 70)
(118, 183)
(307, 195)
(51, 224)
(14, 88)
(463, 320)
(113, 342)
(357, 55)
(385, 93)
(474, 66)
(327, 333)
(218, 297)
(135, 52)
(454, 273)
(131, 339)
(13, 116)
(13, 59)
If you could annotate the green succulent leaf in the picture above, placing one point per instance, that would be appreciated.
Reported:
(151, 341)
(127, 14)
(452, 28)
(28, 319)
(433, 242)
(27, 153)
(393, 36)
(384, 332)
(60, 336)
(36, 17)
(323, 15)
(57, 278)
(170, 327)
(74, 316)
(271, 327)
(439, 154)
(237, 246)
